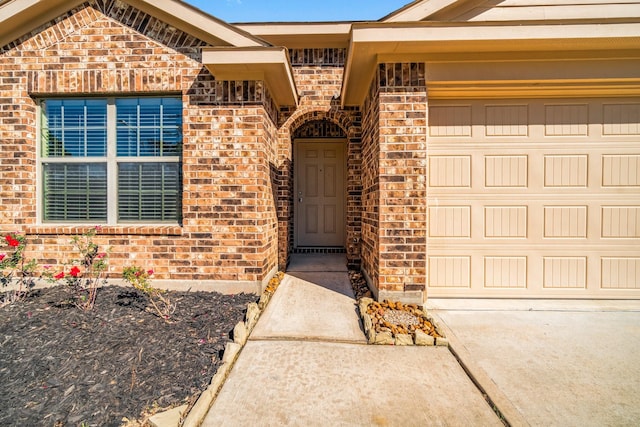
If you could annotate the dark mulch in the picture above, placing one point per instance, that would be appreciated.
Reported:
(60, 366)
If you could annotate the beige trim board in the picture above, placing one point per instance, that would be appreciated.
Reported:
(532, 89)
(269, 64)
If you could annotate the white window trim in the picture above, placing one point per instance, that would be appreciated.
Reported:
(111, 161)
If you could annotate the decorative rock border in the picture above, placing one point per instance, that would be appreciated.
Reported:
(394, 323)
(193, 416)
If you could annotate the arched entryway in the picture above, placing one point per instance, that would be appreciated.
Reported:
(310, 125)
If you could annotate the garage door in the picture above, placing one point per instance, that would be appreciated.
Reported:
(534, 198)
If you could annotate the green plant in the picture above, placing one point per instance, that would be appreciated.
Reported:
(16, 269)
(85, 274)
(140, 279)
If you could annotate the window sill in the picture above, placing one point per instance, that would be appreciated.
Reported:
(145, 230)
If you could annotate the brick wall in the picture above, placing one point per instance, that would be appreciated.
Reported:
(230, 151)
(394, 189)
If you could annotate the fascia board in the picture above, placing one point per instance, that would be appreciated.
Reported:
(269, 64)
(418, 11)
(18, 17)
(197, 23)
(513, 35)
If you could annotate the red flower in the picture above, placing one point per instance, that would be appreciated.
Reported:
(75, 271)
(59, 275)
(150, 272)
(12, 241)
(101, 255)
(2, 256)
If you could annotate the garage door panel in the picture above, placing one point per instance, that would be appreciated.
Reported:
(450, 171)
(506, 171)
(565, 170)
(565, 272)
(621, 118)
(505, 222)
(621, 170)
(552, 210)
(566, 119)
(622, 222)
(620, 272)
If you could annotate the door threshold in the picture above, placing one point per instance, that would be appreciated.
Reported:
(319, 250)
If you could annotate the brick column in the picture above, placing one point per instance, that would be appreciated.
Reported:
(396, 203)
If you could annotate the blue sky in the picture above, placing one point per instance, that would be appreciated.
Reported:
(298, 10)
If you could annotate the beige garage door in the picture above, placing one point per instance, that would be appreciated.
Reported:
(534, 198)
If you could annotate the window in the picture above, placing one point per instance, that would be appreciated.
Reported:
(111, 160)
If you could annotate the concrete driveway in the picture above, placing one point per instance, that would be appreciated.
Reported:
(550, 363)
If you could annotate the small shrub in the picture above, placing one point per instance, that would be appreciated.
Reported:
(15, 268)
(86, 273)
(140, 279)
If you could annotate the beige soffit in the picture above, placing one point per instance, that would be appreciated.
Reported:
(246, 63)
(302, 34)
(373, 43)
(18, 17)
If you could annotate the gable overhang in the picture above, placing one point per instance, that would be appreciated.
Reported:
(18, 17)
(269, 64)
(499, 46)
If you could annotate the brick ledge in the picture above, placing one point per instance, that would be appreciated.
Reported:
(147, 230)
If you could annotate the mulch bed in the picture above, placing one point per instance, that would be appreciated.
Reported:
(60, 366)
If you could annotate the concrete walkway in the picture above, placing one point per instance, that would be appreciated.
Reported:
(306, 363)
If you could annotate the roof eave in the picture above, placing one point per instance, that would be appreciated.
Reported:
(245, 63)
(302, 35)
(379, 42)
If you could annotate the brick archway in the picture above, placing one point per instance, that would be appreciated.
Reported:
(349, 122)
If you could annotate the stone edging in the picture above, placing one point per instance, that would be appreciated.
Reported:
(387, 337)
(194, 415)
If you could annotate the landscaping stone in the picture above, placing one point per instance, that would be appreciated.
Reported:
(403, 339)
(366, 322)
(253, 313)
(264, 300)
(384, 338)
(231, 350)
(170, 418)
(424, 339)
(442, 342)
(202, 405)
(394, 322)
(371, 336)
(363, 304)
(240, 333)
